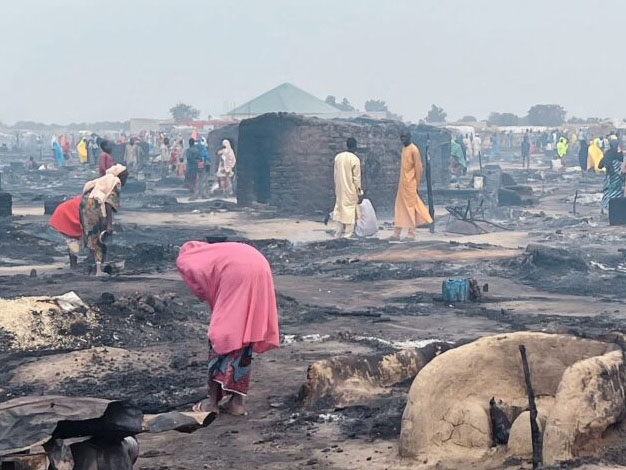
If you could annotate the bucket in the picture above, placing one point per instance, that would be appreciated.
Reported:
(455, 290)
(557, 164)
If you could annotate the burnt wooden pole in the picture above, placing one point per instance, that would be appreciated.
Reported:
(534, 428)
(429, 186)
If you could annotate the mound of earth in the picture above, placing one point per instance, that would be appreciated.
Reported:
(447, 416)
(347, 380)
(36, 323)
(554, 259)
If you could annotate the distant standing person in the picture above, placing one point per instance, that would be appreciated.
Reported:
(477, 146)
(469, 149)
(459, 141)
(410, 211)
(614, 179)
(204, 169)
(131, 154)
(495, 145)
(226, 167)
(458, 164)
(57, 151)
(175, 152)
(81, 150)
(93, 149)
(525, 152)
(105, 161)
(65, 146)
(561, 147)
(164, 151)
(583, 154)
(192, 157)
(235, 280)
(595, 155)
(347, 174)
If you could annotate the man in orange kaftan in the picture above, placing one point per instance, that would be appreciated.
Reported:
(410, 211)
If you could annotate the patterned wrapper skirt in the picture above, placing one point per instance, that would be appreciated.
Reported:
(613, 188)
(93, 223)
(232, 370)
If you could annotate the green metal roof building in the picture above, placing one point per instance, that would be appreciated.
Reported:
(285, 98)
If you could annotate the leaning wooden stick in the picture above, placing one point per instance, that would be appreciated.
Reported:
(429, 185)
(534, 428)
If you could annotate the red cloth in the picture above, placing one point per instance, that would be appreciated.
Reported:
(66, 218)
(104, 163)
(173, 157)
(236, 281)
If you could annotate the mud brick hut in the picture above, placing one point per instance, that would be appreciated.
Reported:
(286, 160)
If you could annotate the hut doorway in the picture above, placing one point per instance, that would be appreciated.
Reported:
(262, 179)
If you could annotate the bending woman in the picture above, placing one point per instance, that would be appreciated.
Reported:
(101, 197)
(236, 282)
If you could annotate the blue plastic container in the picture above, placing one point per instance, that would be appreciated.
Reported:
(455, 290)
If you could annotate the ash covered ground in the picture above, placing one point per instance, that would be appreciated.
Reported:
(547, 269)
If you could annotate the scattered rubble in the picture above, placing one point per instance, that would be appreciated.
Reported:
(81, 433)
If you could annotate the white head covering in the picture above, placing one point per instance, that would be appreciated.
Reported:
(102, 188)
(116, 170)
(228, 156)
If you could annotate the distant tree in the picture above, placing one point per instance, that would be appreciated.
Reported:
(436, 114)
(593, 120)
(343, 106)
(184, 112)
(546, 115)
(373, 106)
(575, 120)
(504, 119)
(468, 118)
(346, 106)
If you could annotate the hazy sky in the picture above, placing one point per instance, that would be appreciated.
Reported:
(87, 60)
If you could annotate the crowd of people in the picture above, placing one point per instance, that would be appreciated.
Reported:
(88, 217)
(168, 155)
(602, 154)
(353, 212)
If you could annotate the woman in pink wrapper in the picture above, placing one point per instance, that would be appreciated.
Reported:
(236, 282)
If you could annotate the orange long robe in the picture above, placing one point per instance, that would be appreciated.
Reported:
(410, 210)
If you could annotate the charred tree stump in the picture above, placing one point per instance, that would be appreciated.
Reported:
(534, 428)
